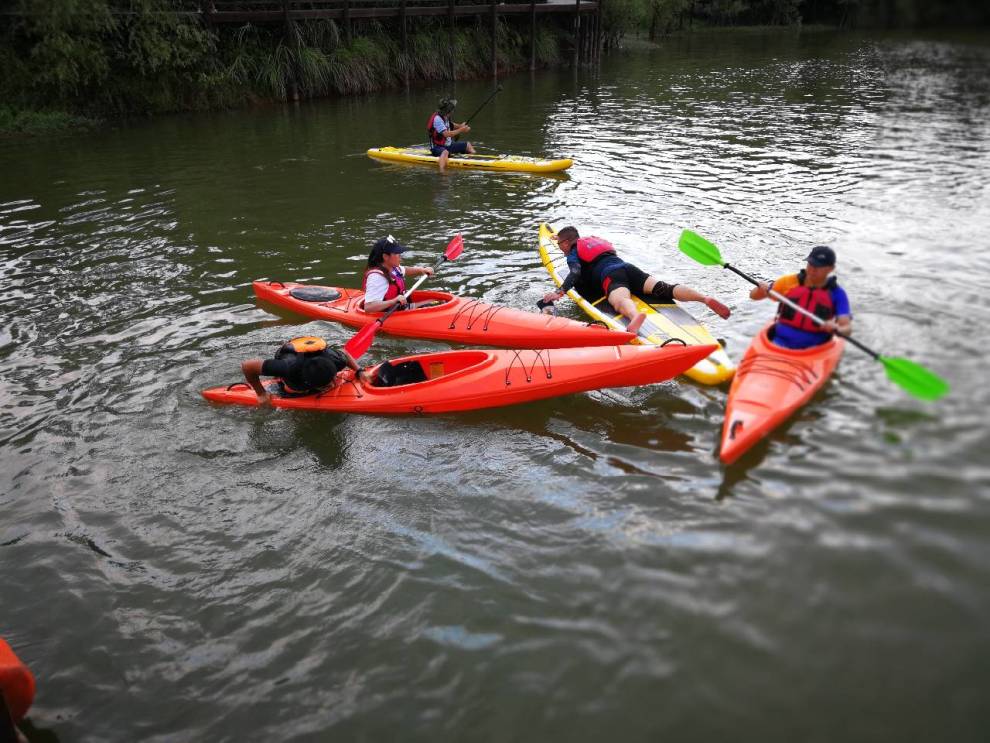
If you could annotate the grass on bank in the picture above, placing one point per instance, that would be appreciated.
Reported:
(27, 122)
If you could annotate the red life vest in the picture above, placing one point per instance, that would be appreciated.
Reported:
(437, 139)
(396, 282)
(818, 301)
(589, 248)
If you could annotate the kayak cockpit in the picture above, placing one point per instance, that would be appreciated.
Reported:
(429, 300)
(416, 370)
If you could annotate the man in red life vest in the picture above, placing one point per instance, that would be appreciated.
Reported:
(442, 133)
(818, 292)
(596, 271)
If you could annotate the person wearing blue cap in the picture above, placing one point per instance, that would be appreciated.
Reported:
(385, 277)
(815, 289)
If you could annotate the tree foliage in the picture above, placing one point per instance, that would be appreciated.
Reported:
(136, 56)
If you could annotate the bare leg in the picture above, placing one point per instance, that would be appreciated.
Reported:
(684, 293)
(443, 161)
(470, 148)
(621, 299)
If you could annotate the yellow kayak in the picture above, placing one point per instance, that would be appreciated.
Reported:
(663, 321)
(513, 163)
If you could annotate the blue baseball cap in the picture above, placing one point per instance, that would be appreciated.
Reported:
(389, 245)
(821, 256)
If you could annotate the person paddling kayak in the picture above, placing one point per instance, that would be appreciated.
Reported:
(442, 133)
(596, 271)
(816, 290)
(306, 366)
(385, 277)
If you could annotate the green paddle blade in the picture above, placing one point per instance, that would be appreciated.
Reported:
(915, 378)
(695, 246)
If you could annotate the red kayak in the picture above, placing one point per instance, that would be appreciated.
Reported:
(453, 319)
(770, 384)
(472, 379)
(16, 684)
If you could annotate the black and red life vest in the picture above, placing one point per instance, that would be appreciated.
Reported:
(396, 282)
(817, 300)
(437, 139)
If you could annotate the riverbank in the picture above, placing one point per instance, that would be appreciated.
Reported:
(182, 65)
(15, 122)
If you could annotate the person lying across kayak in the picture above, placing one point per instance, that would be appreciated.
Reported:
(442, 133)
(815, 289)
(385, 277)
(306, 366)
(596, 271)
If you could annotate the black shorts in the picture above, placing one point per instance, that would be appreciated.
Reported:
(454, 148)
(634, 279)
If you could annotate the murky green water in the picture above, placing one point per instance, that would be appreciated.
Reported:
(579, 569)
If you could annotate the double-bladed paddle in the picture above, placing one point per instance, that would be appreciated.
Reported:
(362, 340)
(912, 377)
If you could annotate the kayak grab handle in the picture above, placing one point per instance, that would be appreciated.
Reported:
(674, 340)
(736, 425)
(235, 385)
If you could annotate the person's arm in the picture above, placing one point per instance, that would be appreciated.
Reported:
(385, 304)
(419, 270)
(782, 285)
(362, 375)
(574, 265)
(252, 373)
(843, 316)
(377, 286)
(762, 291)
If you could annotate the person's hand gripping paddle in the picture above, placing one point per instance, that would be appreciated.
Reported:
(362, 340)
(913, 377)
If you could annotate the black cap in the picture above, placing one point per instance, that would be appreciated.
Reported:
(447, 105)
(821, 256)
(389, 245)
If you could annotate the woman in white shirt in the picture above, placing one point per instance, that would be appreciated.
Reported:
(385, 277)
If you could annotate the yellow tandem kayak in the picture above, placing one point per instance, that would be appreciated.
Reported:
(663, 321)
(513, 163)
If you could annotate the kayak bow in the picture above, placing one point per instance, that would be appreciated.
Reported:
(770, 385)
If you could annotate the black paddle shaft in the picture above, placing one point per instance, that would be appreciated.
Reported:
(849, 338)
(487, 100)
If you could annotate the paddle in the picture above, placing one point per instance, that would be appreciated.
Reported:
(362, 340)
(912, 377)
(497, 90)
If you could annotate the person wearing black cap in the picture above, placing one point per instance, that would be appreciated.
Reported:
(442, 132)
(385, 277)
(305, 365)
(816, 290)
